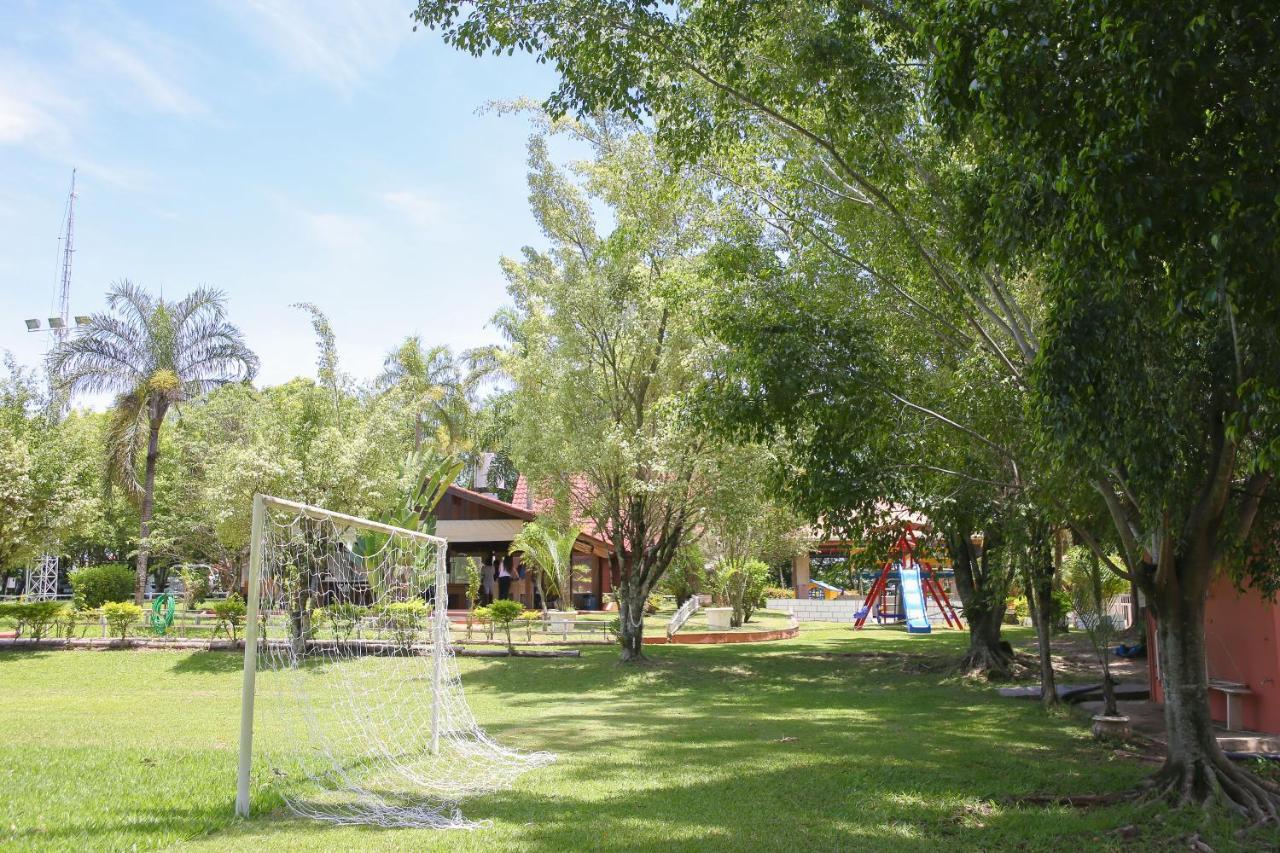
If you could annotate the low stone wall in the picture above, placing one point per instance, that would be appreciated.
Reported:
(718, 637)
(817, 609)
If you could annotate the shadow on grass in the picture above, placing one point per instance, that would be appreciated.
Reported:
(716, 747)
(175, 823)
(205, 663)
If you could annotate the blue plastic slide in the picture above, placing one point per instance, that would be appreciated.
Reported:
(913, 599)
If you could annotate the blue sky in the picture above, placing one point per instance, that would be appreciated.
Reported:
(280, 150)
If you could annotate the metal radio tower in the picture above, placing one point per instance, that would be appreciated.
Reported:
(42, 577)
(60, 325)
(68, 250)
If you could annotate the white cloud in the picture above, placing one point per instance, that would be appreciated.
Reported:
(152, 87)
(418, 209)
(339, 41)
(33, 110)
(21, 120)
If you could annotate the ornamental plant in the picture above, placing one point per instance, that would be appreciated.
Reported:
(229, 616)
(120, 616)
(93, 586)
(503, 614)
(404, 619)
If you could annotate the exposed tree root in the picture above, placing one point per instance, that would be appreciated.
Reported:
(1078, 801)
(1203, 785)
(1216, 781)
(993, 664)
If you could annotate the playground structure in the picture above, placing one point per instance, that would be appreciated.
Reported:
(908, 581)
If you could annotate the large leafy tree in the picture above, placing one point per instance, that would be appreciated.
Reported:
(606, 351)
(1128, 152)
(811, 120)
(153, 354)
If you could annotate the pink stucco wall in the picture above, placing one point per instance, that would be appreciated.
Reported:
(1242, 643)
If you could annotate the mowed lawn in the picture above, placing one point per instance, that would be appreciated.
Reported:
(803, 744)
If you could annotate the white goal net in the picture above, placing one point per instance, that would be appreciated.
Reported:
(354, 710)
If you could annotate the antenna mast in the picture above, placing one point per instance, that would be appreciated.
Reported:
(68, 249)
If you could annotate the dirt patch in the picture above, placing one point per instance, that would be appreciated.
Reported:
(1075, 660)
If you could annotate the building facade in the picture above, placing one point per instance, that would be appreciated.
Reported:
(480, 525)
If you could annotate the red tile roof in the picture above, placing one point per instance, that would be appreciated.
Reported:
(493, 502)
(580, 495)
(526, 508)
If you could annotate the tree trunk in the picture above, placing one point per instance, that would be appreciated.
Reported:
(631, 600)
(1135, 616)
(1038, 581)
(1100, 637)
(982, 604)
(987, 653)
(1195, 770)
(1058, 621)
(148, 503)
(539, 591)
(1108, 687)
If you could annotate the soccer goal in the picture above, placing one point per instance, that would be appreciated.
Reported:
(352, 707)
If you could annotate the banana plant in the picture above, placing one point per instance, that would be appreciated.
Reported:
(428, 476)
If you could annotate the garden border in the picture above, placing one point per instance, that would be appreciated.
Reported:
(708, 638)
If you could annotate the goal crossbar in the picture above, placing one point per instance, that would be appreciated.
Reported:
(350, 520)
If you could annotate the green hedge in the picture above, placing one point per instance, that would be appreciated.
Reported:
(94, 586)
(33, 619)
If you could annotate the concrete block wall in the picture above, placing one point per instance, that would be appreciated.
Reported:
(817, 609)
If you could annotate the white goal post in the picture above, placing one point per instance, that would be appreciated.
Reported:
(350, 675)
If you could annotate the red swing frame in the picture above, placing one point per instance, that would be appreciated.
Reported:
(902, 551)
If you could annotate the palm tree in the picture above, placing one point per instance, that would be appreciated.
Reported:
(551, 552)
(439, 385)
(152, 354)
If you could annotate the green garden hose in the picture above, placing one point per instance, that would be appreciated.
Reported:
(160, 618)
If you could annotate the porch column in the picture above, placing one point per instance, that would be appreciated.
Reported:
(800, 574)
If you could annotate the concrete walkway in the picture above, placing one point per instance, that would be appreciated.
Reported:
(1147, 719)
(1075, 662)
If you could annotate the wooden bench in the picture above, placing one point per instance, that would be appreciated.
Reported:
(1232, 690)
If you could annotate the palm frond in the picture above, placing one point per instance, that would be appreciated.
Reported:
(128, 428)
(99, 359)
(551, 552)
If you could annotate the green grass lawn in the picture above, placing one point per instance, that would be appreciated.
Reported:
(785, 745)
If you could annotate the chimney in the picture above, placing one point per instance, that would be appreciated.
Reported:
(481, 480)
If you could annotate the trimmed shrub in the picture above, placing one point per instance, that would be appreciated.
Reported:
(482, 617)
(229, 616)
(121, 615)
(779, 592)
(94, 586)
(503, 613)
(344, 617)
(404, 619)
(68, 619)
(32, 619)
